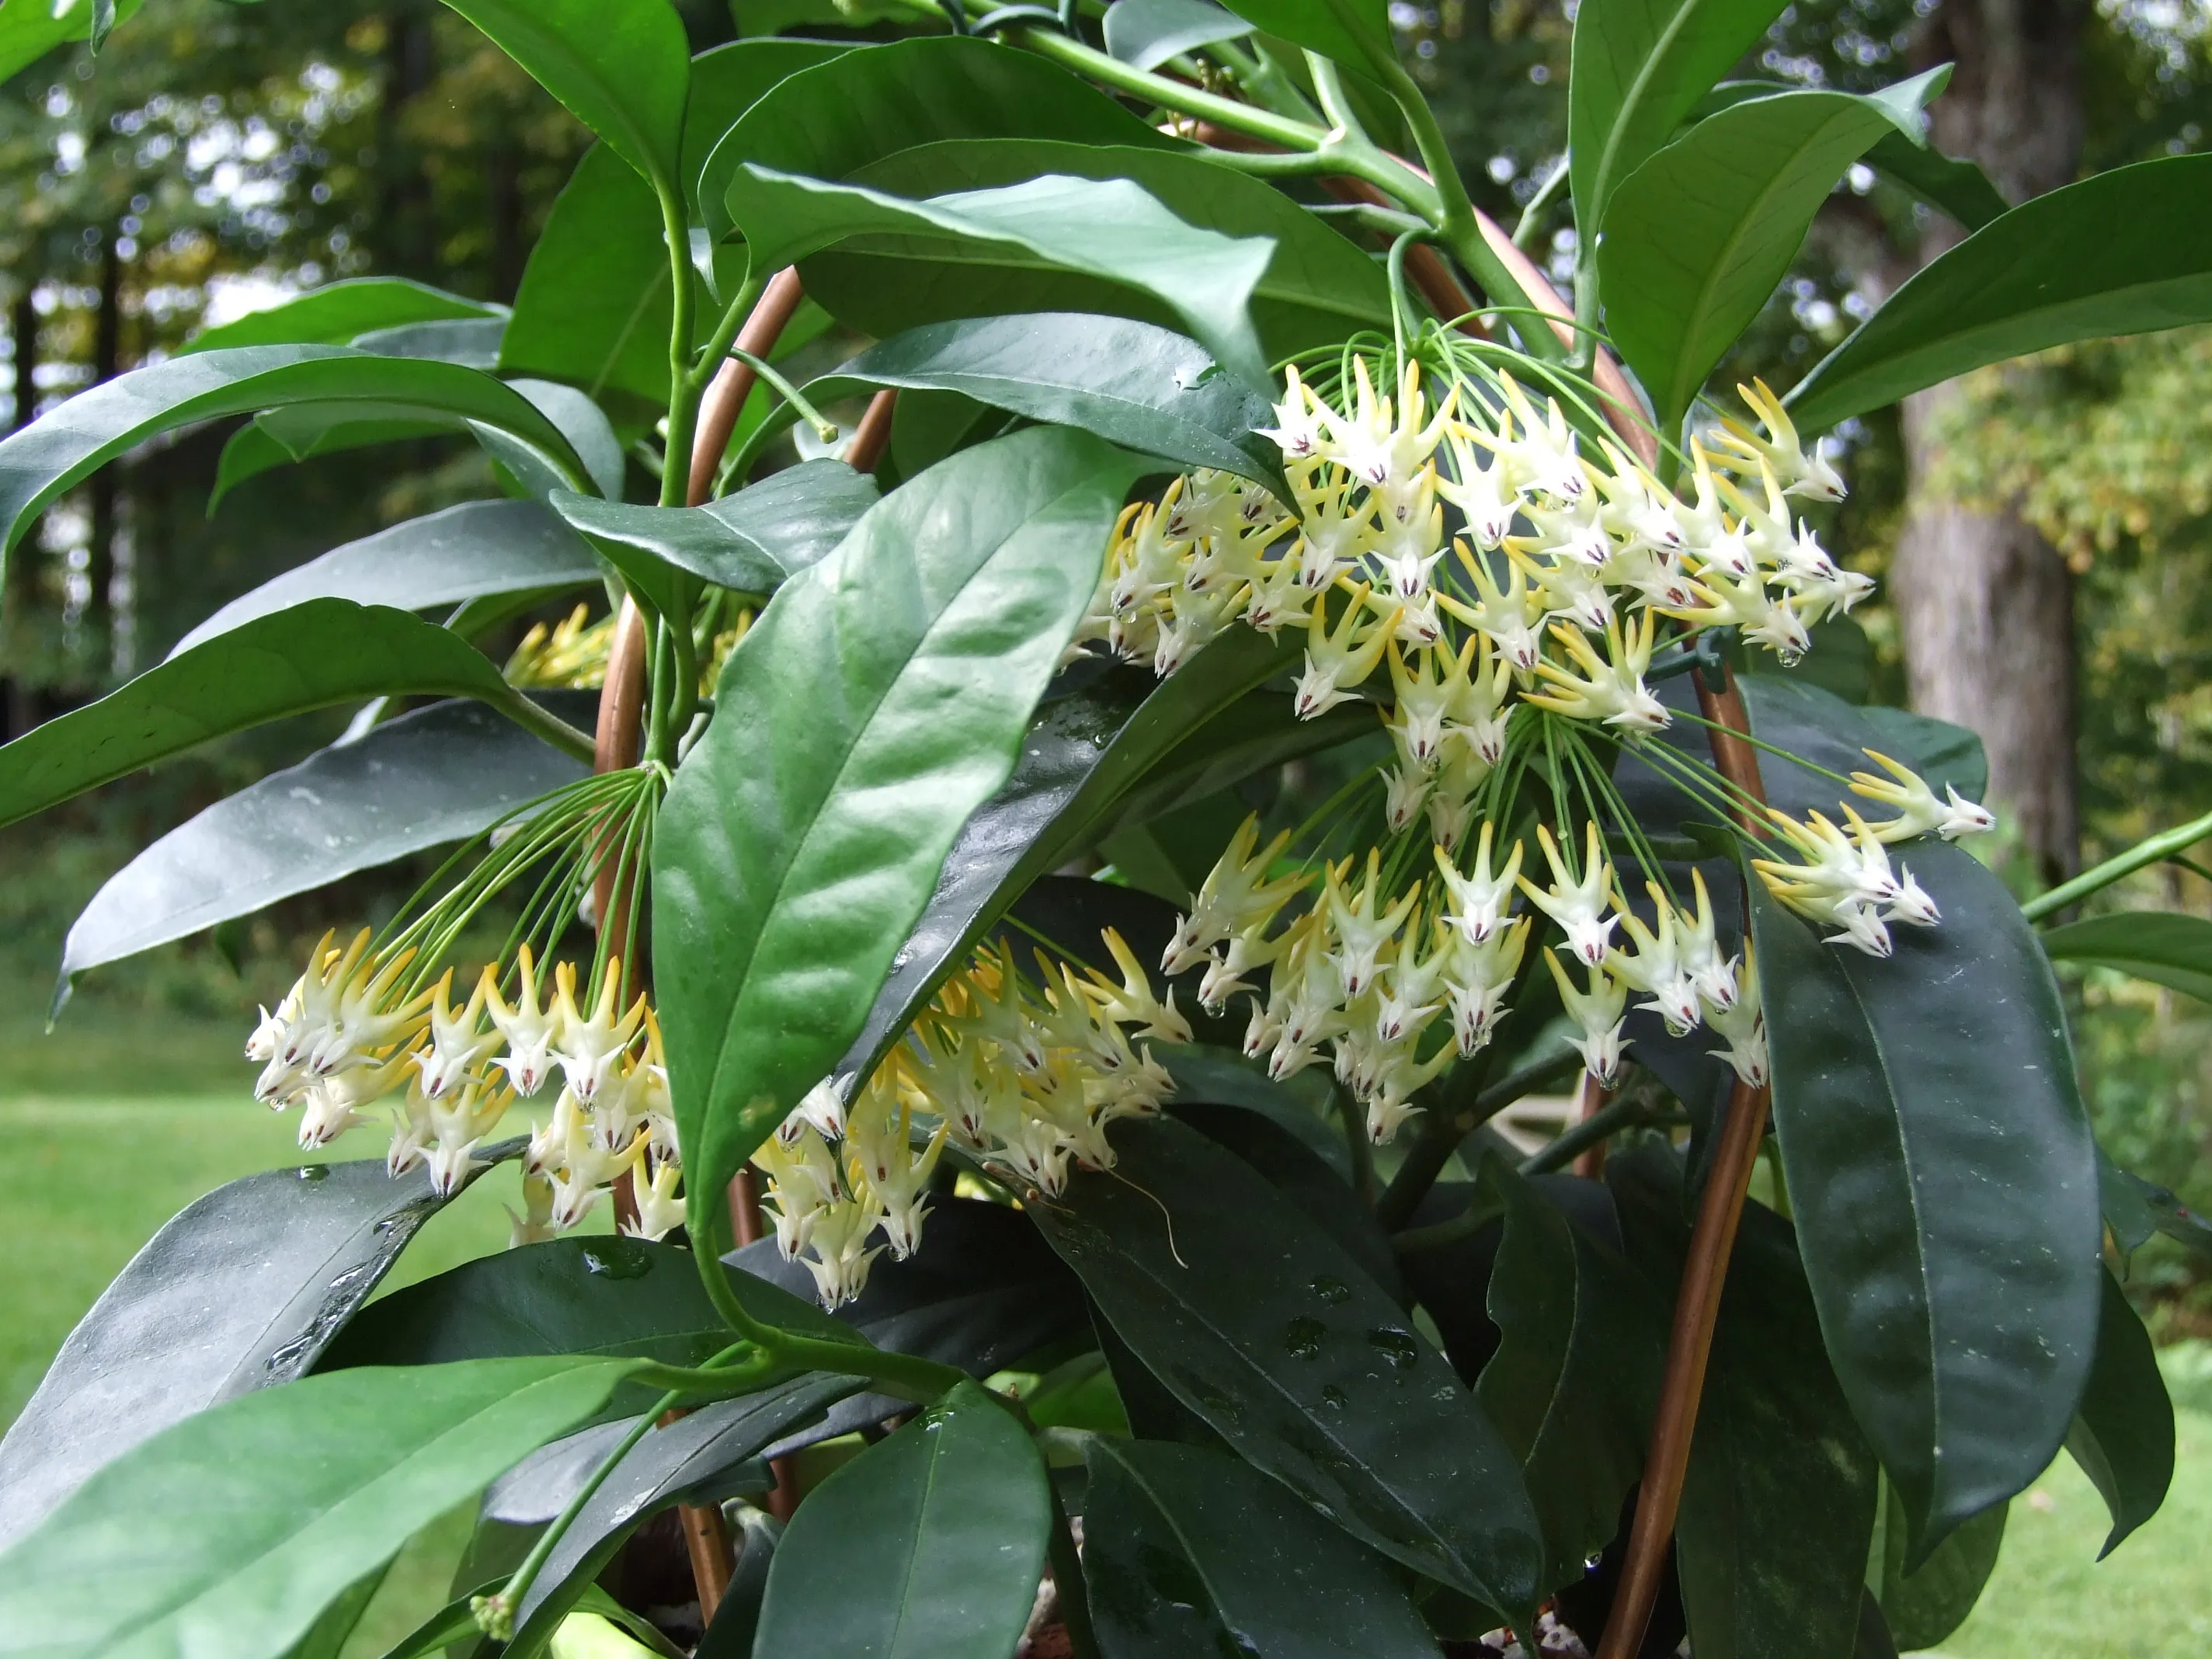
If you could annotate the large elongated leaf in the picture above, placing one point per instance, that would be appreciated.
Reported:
(832, 119)
(1696, 237)
(437, 774)
(1317, 288)
(750, 542)
(1957, 187)
(1576, 1376)
(1188, 1552)
(875, 704)
(1781, 1493)
(1924, 1605)
(2123, 1435)
(337, 313)
(1132, 383)
(624, 71)
(242, 1289)
(1147, 32)
(1318, 25)
(321, 652)
(2108, 255)
(730, 80)
(441, 559)
(38, 462)
(2136, 1208)
(1111, 228)
(1262, 1326)
(2163, 947)
(1638, 68)
(1945, 1186)
(242, 1524)
(951, 1514)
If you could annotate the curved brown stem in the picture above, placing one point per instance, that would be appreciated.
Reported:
(1698, 1300)
(873, 434)
(734, 381)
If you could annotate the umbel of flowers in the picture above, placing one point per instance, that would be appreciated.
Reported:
(1389, 935)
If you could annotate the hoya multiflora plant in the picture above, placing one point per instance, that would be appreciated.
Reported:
(1091, 809)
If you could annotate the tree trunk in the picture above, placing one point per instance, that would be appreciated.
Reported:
(1985, 603)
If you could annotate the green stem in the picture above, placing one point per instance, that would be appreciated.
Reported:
(1532, 217)
(682, 389)
(2143, 853)
(1263, 75)
(825, 429)
(1328, 86)
(1450, 1124)
(1581, 1137)
(537, 721)
(1165, 93)
(741, 305)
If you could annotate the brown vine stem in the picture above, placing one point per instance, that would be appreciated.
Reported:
(1698, 1299)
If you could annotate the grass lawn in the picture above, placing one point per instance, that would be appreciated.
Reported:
(68, 1230)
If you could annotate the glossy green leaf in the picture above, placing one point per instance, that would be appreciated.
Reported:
(951, 1516)
(624, 71)
(1318, 287)
(1638, 68)
(282, 437)
(2134, 1209)
(876, 703)
(439, 559)
(241, 1289)
(68, 444)
(1575, 1377)
(1122, 747)
(472, 342)
(1353, 32)
(581, 421)
(604, 1296)
(1945, 1186)
(1923, 1606)
(337, 313)
(29, 32)
(832, 119)
(2106, 256)
(314, 655)
(437, 774)
(1147, 32)
(1188, 1552)
(730, 80)
(1131, 383)
(595, 307)
(1110, 228)
(1260, 1324)
(240, 1525)
(1770, 1545)
(2164, 947)
(1957, 187)
(749, 542)
(2123, 1434)
(1696, 237)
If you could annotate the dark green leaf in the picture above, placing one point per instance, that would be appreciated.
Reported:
(1949, 757)
(472, 342)
(730, 80)
(1132, 383)
(581, 421)
(876, 703)
(1794, 715)
(2109, 255)
(313, 656)
(623, 70)
(1923, 1606)
(1957, 188)
(1188, 1551)
(2123, 1434)
(1576, 1376)
(950, 1515)
(1639, 67)
(326, 1638)
(1110, 228)
(2136, 1208)
(242, 1289)
(603, 1296)
(737, 1616)
(40, 461)
(252, 1518)
(2164, 947)
(335, 313)
(438, 774)
(832, 119)
(302, 432)
(749, 542)
(1696, 237)
(1353, 36)
(1771, 1540)
(1147, 32)
(1317, 288)
(1945, 1186)
(1260, 1323)
(441, 559)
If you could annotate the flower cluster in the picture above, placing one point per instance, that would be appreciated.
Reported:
(356, 1030)
(1023, 1076)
